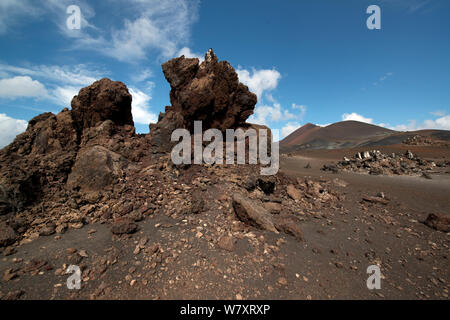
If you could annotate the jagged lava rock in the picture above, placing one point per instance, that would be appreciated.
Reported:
(209, 92)
(103, 100)
(39, 158)
(38, 162)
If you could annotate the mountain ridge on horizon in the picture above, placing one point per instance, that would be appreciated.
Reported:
(348, 134)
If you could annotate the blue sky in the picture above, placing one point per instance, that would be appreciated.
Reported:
(308, 61)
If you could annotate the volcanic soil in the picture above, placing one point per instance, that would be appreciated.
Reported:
(181, 261)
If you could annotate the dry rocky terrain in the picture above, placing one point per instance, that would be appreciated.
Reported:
(82, 188)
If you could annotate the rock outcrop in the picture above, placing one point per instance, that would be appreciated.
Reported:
(209, 92)
(376, 163)
(38, 159)
(418, 140)
(103, 100)
(84, 145)
(88, 165)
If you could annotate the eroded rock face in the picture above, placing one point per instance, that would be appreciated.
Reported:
(95, 169)
(209, 92)
(87, 141)
(88, 164)
(39, 158)
(160, 133)
(103, 100)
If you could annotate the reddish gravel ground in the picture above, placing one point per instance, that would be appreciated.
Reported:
(175, 258)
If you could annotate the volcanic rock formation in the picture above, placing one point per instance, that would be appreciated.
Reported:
(89, 147)
(103, 100)
(88, 165)
(85, 142)
(209, 92)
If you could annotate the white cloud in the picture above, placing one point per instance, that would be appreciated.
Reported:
(133, 41)
(264, 114)
(302, 109)
(438, 113)
(411, 126)
(64, 95)
(259, 81)
(21, 87)
(140, 107)
(440, 123)
(289, 128)
(75, 75)
(383, 78)
(157, 26)
(137, 29)
(62, 82)
(58, 8)
(142, 76)
(13, 12)
(10, 128)
(356, 117)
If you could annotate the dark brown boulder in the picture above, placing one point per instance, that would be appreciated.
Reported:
(103, 100)
(7, 235)
(95, 169)
(289, 227)
(226, 243)
(438, 222)
(123, 226)
(251, 213)
(266, 184)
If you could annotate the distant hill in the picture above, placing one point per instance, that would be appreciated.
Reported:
(349, 134)
(300, 135)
